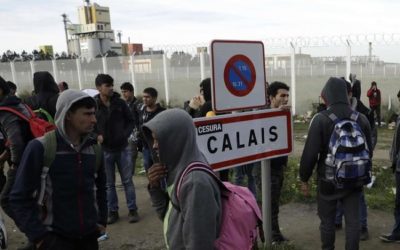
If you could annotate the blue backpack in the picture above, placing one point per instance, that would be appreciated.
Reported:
(348, 162)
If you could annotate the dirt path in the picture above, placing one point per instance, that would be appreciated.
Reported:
(299, 223)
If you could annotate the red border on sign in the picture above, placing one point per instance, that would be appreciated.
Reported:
(213, 75)
(249, 117)
(230, 65)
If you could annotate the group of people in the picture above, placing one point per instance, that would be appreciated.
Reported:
(77, 188)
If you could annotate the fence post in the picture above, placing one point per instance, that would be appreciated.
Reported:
(202, 66)
(293, 77)
(311, 69)
(166, 79)
(13, 72)
(348, 61)
(361, 71)
(132, 68)
(324, 69)
(105, 66)
(55, 71)
(33, 70)
(384, 70)
(79, 71)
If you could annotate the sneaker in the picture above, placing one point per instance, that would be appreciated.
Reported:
(390, 238)
(278, 239)
(338, 226)
(133, 216)
(113, 217)
(364, 235)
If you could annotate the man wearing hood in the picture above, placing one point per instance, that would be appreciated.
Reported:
(114, 125)
(46, 92)
(193, 222)
(315, 152)
(75, 204)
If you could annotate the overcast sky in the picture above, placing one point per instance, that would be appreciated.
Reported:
(26, 24)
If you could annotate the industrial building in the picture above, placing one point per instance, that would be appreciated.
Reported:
(93, 35)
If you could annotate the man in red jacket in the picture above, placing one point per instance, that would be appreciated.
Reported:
(374, 96)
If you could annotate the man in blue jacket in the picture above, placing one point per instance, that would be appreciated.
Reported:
(75, 206)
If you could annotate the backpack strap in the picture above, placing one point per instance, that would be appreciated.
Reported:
(45, 113)
(196, 166)
(192, 167)
(331, 116)
(354, 116)
(15, 112)
(50, 147)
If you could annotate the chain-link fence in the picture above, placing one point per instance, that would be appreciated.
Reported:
(176, 74)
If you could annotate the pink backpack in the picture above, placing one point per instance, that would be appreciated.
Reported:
(241, 216)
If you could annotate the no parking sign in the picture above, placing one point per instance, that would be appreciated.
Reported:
(238, 75)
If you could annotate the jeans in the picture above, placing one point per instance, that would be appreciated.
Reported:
(363, 212)
(123, 160)
(134, 152)
(327, 212)
(147, 158)
(396, 228)
(276, 188)
(247, 170)
(377, 111)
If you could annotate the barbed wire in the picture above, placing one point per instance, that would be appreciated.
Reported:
(385, 39)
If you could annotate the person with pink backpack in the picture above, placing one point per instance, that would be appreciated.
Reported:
(198, 210)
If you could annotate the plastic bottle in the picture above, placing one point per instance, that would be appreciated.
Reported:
(329, 167)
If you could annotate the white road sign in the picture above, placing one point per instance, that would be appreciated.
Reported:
(237, 139)
(238, 75)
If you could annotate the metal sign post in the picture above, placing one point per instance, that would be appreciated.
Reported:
(266, 201)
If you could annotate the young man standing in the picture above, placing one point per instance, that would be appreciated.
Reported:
(394, 236)
(128, 94)
(148, 111)
(75, 206)
(114, 126)
(279, 97)
(315, 152)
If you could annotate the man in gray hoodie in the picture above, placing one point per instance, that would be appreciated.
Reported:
(193, 222)
(75, 204)
(315, 152)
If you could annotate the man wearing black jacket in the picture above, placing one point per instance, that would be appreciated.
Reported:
(114, 126)
(315, 153)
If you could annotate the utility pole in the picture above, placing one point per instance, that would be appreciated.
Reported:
(65, 20)
(119, 34)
